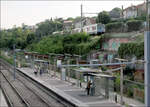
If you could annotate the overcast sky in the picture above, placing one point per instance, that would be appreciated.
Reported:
(32, 12)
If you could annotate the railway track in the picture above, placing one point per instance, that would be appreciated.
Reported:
(14, 98)
(28, 93)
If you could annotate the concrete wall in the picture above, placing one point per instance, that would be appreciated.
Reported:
(113, 43)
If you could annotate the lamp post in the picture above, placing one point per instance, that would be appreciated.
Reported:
(147, 59)
(14, 61)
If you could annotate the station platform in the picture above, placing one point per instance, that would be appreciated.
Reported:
(3, 102)
(65, 89)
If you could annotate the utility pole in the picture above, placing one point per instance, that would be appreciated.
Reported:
(56, 23)
(122, 19)
(81, 18)
(122, 12)
(147, 58)
(14, 61)
(147, 16)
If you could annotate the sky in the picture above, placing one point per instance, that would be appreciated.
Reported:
(33, 12)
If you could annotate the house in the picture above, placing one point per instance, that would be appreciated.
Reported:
(134, 11)
(141, 9)
(89, 21)
(67, 25)
(130, 12)
(85, 22)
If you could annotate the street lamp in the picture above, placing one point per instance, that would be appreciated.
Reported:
(14, 61)
(147, 58)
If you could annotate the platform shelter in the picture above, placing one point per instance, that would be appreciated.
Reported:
(41, 65)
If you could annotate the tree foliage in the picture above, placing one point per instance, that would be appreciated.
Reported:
(115, 13)
(20, 36)
(48, 27)
(114, 27)
(72, 43)
(103, 17)
(129, 49)
(134, 25)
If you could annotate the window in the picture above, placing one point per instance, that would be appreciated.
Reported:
(93, 28)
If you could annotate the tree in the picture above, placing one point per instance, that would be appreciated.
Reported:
(48, 27)
(115, 13)
(103, 17)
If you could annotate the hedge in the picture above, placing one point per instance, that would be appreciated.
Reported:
(115, 27)
(134, 25)
(129, 49)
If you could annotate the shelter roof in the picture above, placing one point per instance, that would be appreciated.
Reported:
(87, 70)
(102, 75)
(42, 61)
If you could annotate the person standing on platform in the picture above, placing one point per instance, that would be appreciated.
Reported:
(88, 87)
(40, 71)
(35, 71)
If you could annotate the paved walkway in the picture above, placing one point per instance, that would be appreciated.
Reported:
(68, 91)
(3, 102)
(128, 101)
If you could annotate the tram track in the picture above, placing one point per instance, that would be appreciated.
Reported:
(33, 93)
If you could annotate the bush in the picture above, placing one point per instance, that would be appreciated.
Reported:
(115, 27)
(79, 43)
(129, 49)
(134, 25)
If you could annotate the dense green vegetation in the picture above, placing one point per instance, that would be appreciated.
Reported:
(114, 27)
(26, 35)
(48, 27)
(73, 43)
(6, 58)
(134, 25)
(130, 49)
(19, 36)
(103, 17)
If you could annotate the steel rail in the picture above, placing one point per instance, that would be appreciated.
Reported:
(10, 104)
(37, 94)
(41, 98)
(16, 91)
(51, 94)
(44, 90)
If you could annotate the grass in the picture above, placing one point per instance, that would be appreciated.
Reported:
(9, 60)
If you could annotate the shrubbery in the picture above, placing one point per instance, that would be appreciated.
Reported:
(115, 27)
(134, 25)
(72, 43)
(129, 49)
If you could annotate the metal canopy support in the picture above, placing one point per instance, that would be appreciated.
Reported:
(147, 68)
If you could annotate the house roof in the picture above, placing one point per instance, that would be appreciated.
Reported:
(138, 6)
(128, 8)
